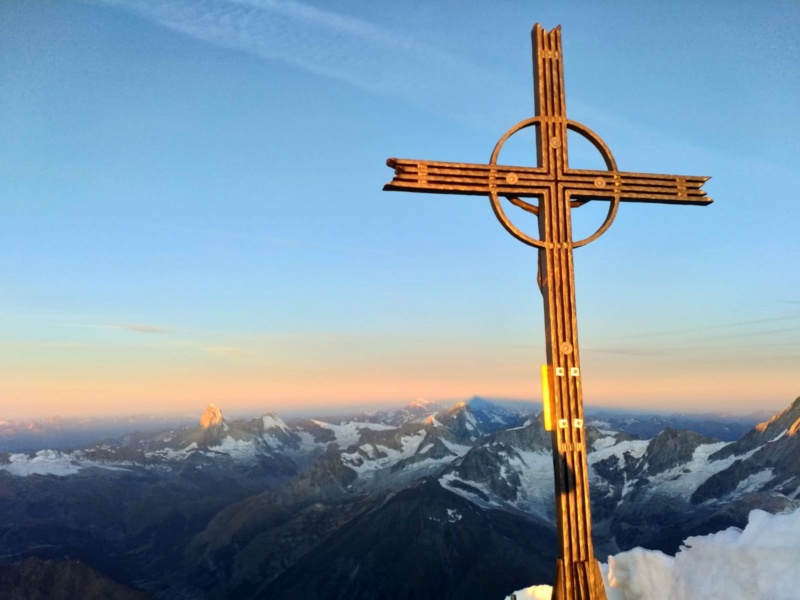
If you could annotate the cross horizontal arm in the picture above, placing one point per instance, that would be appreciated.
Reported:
(635, 187)
(474, 179)
(465, 178)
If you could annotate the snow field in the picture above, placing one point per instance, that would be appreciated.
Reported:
(380, 456)
(757, 563)
(50, 462)
(349, 433)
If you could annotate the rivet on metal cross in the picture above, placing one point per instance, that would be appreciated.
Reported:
(557, 189)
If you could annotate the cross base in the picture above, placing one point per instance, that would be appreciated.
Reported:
(578, 581)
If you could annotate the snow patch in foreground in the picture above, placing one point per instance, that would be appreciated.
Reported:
(759, 563)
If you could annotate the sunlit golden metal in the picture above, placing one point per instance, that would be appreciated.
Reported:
(556, 189)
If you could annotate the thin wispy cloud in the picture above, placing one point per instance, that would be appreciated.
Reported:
(625, 351)
(43, 344)
(141, 328)
(731, 326)
(129, 327)
(338, 46)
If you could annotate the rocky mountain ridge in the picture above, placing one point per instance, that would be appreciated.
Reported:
(257, 507)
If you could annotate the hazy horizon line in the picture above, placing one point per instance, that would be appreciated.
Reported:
(351, 409)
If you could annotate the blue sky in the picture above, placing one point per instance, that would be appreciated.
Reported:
(192, 208)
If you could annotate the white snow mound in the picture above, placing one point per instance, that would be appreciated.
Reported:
(759, 563)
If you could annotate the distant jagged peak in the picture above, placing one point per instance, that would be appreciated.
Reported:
(794, 412)
(423, 406)
(270, 420)
(673, 447)
(461, 420)
(786, 419)
(785, 424)
(421, 403)
(763, 425)
(458, 407)
(432, 422)
(212, 417)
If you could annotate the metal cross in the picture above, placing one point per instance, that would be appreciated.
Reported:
(557, 189)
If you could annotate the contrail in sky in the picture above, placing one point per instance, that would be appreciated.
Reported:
(334, 45)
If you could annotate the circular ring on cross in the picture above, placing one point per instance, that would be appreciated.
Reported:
(601, 189)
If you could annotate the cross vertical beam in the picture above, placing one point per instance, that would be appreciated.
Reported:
(577, 571)
(557, 189)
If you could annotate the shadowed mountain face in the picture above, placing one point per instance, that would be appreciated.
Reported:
(423, 501)
(421, 542)
(36, 579)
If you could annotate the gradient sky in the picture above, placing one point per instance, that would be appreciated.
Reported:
(191, 206)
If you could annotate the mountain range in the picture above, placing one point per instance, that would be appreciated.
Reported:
(423, 501)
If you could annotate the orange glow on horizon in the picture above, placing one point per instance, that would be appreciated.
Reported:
(326, 372)
(187, 392)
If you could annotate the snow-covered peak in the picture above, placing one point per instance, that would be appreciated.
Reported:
(459, 412)
(421, 403)
(461, 421)
(272, 421)
(432, 422)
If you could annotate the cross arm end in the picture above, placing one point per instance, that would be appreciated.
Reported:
(637, 187)
(437, 177)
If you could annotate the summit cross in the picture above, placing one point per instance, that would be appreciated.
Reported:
(556, 189)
